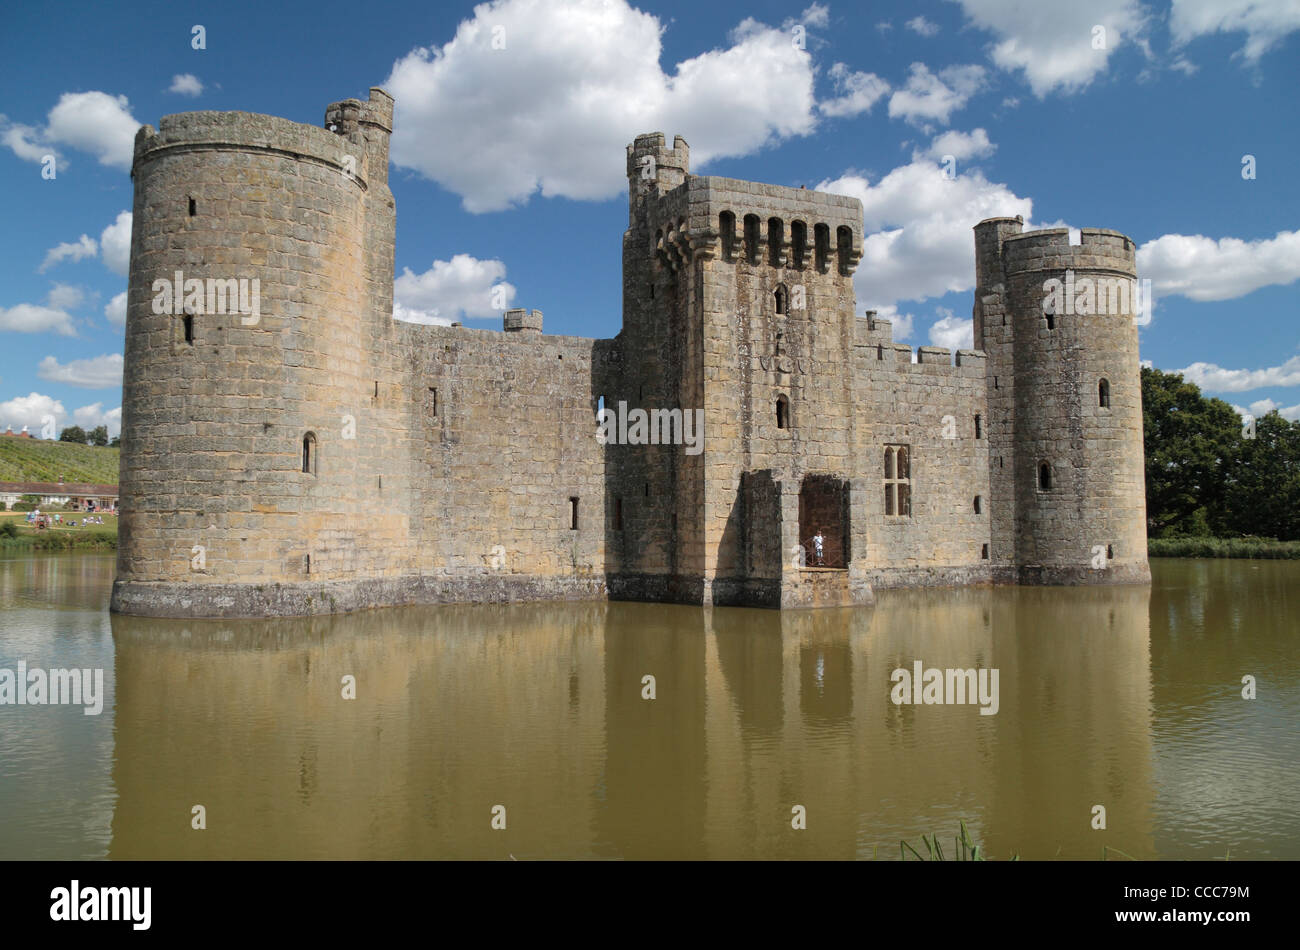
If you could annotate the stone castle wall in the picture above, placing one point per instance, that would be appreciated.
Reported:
(320, 456)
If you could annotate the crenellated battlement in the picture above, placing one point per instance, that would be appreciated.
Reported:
(520, 320)
(926, 361)
(1051, 250)
(731, 220)
(251, 132)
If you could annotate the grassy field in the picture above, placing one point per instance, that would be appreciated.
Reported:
(36, 460)
(63, 538)
(1223, 547)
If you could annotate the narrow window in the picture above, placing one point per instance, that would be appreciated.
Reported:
(1051, 320)
(782, 299)
(821, 247)
(1044, 477)
(751, 238)
(647, 489)
(798, 243)
(189, 329)
(727, 225)
(376, 389)
(897, 482)
(573, 513)
(782, 412)
(775, 240)
(433, 401)
(194, 207)
(1110, 552)
(1103, 394)
(652, 291)
(307, 563)
(309, 453)
(984, 552)
(978, 504)
(618, 514)
(995, 382)
(979, 428)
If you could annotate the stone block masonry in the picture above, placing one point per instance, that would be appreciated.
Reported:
(322, 457)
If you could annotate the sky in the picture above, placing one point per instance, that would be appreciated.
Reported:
(1173, 121)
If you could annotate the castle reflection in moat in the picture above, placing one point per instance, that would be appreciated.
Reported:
(540, 708)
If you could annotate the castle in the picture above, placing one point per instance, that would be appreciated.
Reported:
(311, 454)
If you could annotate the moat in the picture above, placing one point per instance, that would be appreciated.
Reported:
(1127, 697)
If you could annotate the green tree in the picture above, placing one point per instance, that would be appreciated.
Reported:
(1262, 497)
(99, 435)
(1192, 443)
(73, 434)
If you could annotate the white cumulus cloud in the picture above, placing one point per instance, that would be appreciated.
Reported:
(1263, 407)
(919, 241)
(115, 242)
(31, 411)
(97, 123)
(461, 288)
(1201, 268)
(858, 92)
(186, 84)
(961, 145)
(571, 84)
(1214, 378)
(929, 97)
(1052, 41)
(94, 415)
(1265, 22)
(951, 331)
(52, 316)
(922, 26)
(100, 372)
(84, 246)
(115, 310)
(26, 142)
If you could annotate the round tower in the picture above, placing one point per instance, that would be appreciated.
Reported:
(1080, 494)
(249, 357)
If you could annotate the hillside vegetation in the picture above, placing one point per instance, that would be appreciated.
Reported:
(37, 460)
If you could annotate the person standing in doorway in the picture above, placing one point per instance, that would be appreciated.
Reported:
(819, 546)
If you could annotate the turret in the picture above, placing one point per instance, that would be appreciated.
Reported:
(1080, 506)
(653, 169)
(252, 396)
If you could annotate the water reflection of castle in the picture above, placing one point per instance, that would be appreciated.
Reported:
(540, 708)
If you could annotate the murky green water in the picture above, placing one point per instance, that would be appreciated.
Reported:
(1129, 698)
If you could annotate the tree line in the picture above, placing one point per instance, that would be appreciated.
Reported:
(1210, 473)
(96, 436)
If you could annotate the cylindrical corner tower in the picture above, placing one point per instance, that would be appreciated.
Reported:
(1080, 494)
(248, 432)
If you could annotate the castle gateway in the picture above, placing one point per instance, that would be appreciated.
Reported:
(322, 457)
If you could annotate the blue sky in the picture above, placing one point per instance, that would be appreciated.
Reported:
(508, 155)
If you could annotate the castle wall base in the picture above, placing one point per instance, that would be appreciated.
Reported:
(1073, 576)
(231, 601)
